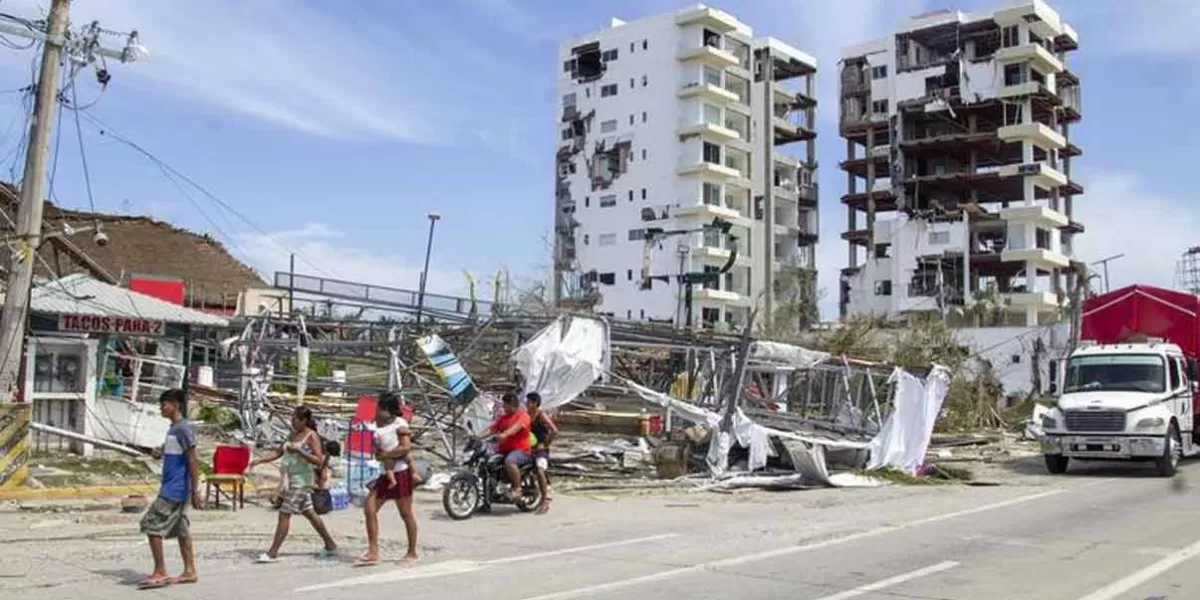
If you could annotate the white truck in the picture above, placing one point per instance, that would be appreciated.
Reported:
(1128, 401)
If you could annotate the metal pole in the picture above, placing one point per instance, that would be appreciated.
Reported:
(29, 214)
(291, 284)
(433, 219)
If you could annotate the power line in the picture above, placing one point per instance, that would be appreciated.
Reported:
(87, 177)
(108, 131)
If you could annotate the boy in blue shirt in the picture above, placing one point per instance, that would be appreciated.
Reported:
(167, 516)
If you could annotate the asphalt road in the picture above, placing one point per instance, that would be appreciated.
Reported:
(1102, 532)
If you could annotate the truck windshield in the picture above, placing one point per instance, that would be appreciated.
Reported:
(1116, 372)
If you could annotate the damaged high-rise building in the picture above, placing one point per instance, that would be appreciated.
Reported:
(666, 124)
(958, 162)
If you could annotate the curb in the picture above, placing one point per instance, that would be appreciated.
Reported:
(93, 492)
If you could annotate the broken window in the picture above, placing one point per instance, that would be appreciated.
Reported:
(883, 250)
(607, 164)
(712, 39)
(589, 62)
(607, 201)
(607, 239)
(608, 126)
(879, 72)
(608, 90)
(608, 278)
(710, 316)
(883, 287)
(712, 153)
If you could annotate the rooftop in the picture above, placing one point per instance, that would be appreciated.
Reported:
(80, 294)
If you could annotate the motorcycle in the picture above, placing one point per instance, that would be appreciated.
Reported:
(482, 483)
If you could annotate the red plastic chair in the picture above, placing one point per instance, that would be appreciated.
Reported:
(228, 469)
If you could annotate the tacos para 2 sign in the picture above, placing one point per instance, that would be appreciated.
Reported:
(112, 325)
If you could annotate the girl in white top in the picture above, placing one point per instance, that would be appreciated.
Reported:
(386, 439)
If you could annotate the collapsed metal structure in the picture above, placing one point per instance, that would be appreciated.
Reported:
(366, 328)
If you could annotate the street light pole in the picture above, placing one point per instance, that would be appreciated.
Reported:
(1104, 262)
(433, 219)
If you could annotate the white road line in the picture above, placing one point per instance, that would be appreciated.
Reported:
(1137, 578)
(739, 560)
(577, 549)
(458, 567)
(891, 581)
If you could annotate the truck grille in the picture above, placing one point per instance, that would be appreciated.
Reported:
(1096, 420)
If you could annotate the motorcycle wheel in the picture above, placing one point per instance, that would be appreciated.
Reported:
(532, 495)
(460, 497)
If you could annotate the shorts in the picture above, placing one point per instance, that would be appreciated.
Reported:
(541, 459)
(166, 519)
(402, 489)
(296, 501)
(516, 457)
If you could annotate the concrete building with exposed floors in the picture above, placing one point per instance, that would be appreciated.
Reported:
(959, 165)
(666, 124)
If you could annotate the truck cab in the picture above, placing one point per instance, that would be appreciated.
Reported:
(1129, 401)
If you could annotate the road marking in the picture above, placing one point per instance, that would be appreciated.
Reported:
(739, 560)
(889, 582)
(577, 549)
(1137, 578)
(458, 567)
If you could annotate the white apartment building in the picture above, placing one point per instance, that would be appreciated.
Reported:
(665, 124)
(958, 137)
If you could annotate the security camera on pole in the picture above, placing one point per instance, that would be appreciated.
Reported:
(83, 48)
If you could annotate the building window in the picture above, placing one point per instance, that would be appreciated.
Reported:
(631, 47)
(879, 72)
(712, 194)
(642, 313)
(938, 238)
(568, 65)
(631, 195)
(631, 83)
(712, 76)
(608, 278)
(637, 235)
(607, 201)
(608, 90)
(587, 92)
(879, 107)
(609, 55)
(883, 250)
(586, 239)
(60, 370)
(631, 119)
(567, 134)
(606, 239)
(712, 115)
(643, 154)
(608, 126)
(883, 288)
(712, 153)
(1042, 239)
(569, 100)
(1013, 75)
(645, 81)
(644, 117)
(643, 193)
(1015, 359)
(1010, 36)
(710, 316)
(587, 201)
(645, 44)
(629, 275)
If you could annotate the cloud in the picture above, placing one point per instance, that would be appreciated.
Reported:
(1161, 27)
(327, 252)
(344, 75)
(1123, 216)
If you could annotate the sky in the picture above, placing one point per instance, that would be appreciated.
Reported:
(333, 129)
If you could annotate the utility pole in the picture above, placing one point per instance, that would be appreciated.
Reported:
(433, 219)
(29, 214)
(82, 50)
(1104, 262)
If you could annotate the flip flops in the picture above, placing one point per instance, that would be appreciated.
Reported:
(365, 561)
(153, 583)
(185, 579)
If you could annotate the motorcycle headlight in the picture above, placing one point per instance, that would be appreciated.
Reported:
(1150, 423)
(1049, 422)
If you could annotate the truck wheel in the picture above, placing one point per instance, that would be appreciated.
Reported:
(1168, 463)
(1057, 463)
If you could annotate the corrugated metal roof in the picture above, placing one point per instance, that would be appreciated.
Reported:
(82, 295)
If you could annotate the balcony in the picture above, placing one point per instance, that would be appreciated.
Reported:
(807, 195)
(712, 18)
(721, 296)
(709, 55)
(1071, 109)
(1040, 18)
(1027, 88)
(713, 170)
(710, 131)
(1042, 257)
(708, 212)
(708, 91)
(791, 128)
(1044, 176)
(1044, 302)
(1035, 133)
(1036, 55)
(1037, 215)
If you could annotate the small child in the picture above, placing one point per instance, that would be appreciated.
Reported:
(387, 438)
